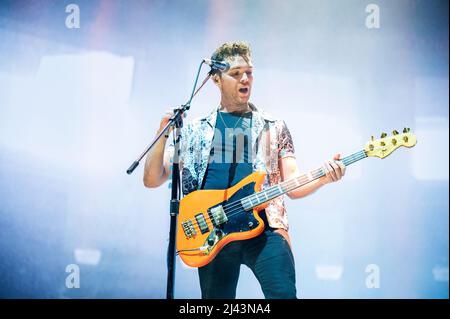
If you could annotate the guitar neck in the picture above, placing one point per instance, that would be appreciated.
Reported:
(272, 192)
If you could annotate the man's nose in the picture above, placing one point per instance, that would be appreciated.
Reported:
(244, 77)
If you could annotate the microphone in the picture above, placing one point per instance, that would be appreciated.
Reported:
(217, 65)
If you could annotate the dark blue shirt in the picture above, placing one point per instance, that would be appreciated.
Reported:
(230, 157)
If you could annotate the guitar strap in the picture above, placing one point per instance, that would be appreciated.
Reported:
(233, 165)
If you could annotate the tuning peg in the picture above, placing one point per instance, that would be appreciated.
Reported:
(394, 132)
(372, 138)
(383, 135)
(406, 130)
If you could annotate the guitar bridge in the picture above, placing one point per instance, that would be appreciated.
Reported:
(218, 215)
(188, 228)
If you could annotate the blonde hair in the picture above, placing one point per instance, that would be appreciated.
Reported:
(231, 49)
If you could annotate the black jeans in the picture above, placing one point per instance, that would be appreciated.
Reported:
(268, 255)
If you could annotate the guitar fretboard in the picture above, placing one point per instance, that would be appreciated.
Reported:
(272, 192)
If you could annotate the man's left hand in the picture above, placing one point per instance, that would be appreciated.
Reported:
(334, 170)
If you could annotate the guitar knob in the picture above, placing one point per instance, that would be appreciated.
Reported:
(210, 242)
(394, 132)
(383, 135)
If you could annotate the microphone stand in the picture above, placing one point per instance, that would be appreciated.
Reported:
(176, 122)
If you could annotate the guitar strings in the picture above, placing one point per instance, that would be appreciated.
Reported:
(288, 186)
(350, 159)
(292, 184)
(235, 208)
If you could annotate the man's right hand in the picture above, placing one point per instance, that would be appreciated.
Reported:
(165, 119)
(157, 164)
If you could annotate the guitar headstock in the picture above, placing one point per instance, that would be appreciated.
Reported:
(385, 145)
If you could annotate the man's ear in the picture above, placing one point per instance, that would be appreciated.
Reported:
(216, 80)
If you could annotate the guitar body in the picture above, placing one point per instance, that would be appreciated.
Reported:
(206, 224)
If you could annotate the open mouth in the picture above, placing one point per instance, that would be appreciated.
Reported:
(243, 90)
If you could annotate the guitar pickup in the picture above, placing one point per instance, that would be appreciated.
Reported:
(218, 215)
(202, 223)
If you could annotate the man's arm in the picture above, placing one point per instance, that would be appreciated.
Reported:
(156, 170)
(157, 163)
(288, 166)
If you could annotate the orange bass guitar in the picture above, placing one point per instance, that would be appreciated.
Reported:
(210, 219)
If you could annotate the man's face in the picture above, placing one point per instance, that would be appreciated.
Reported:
(236, 84)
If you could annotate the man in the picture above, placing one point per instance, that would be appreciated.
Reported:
(216, 152)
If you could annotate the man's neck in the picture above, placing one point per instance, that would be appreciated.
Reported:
(235, 108)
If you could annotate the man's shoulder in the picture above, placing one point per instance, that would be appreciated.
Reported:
(193, 127)
(196, 123)
(271, 119)
(266, 116)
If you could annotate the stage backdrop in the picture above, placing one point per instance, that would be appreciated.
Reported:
(83, 85)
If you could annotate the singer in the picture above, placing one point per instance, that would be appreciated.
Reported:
(219, 150)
